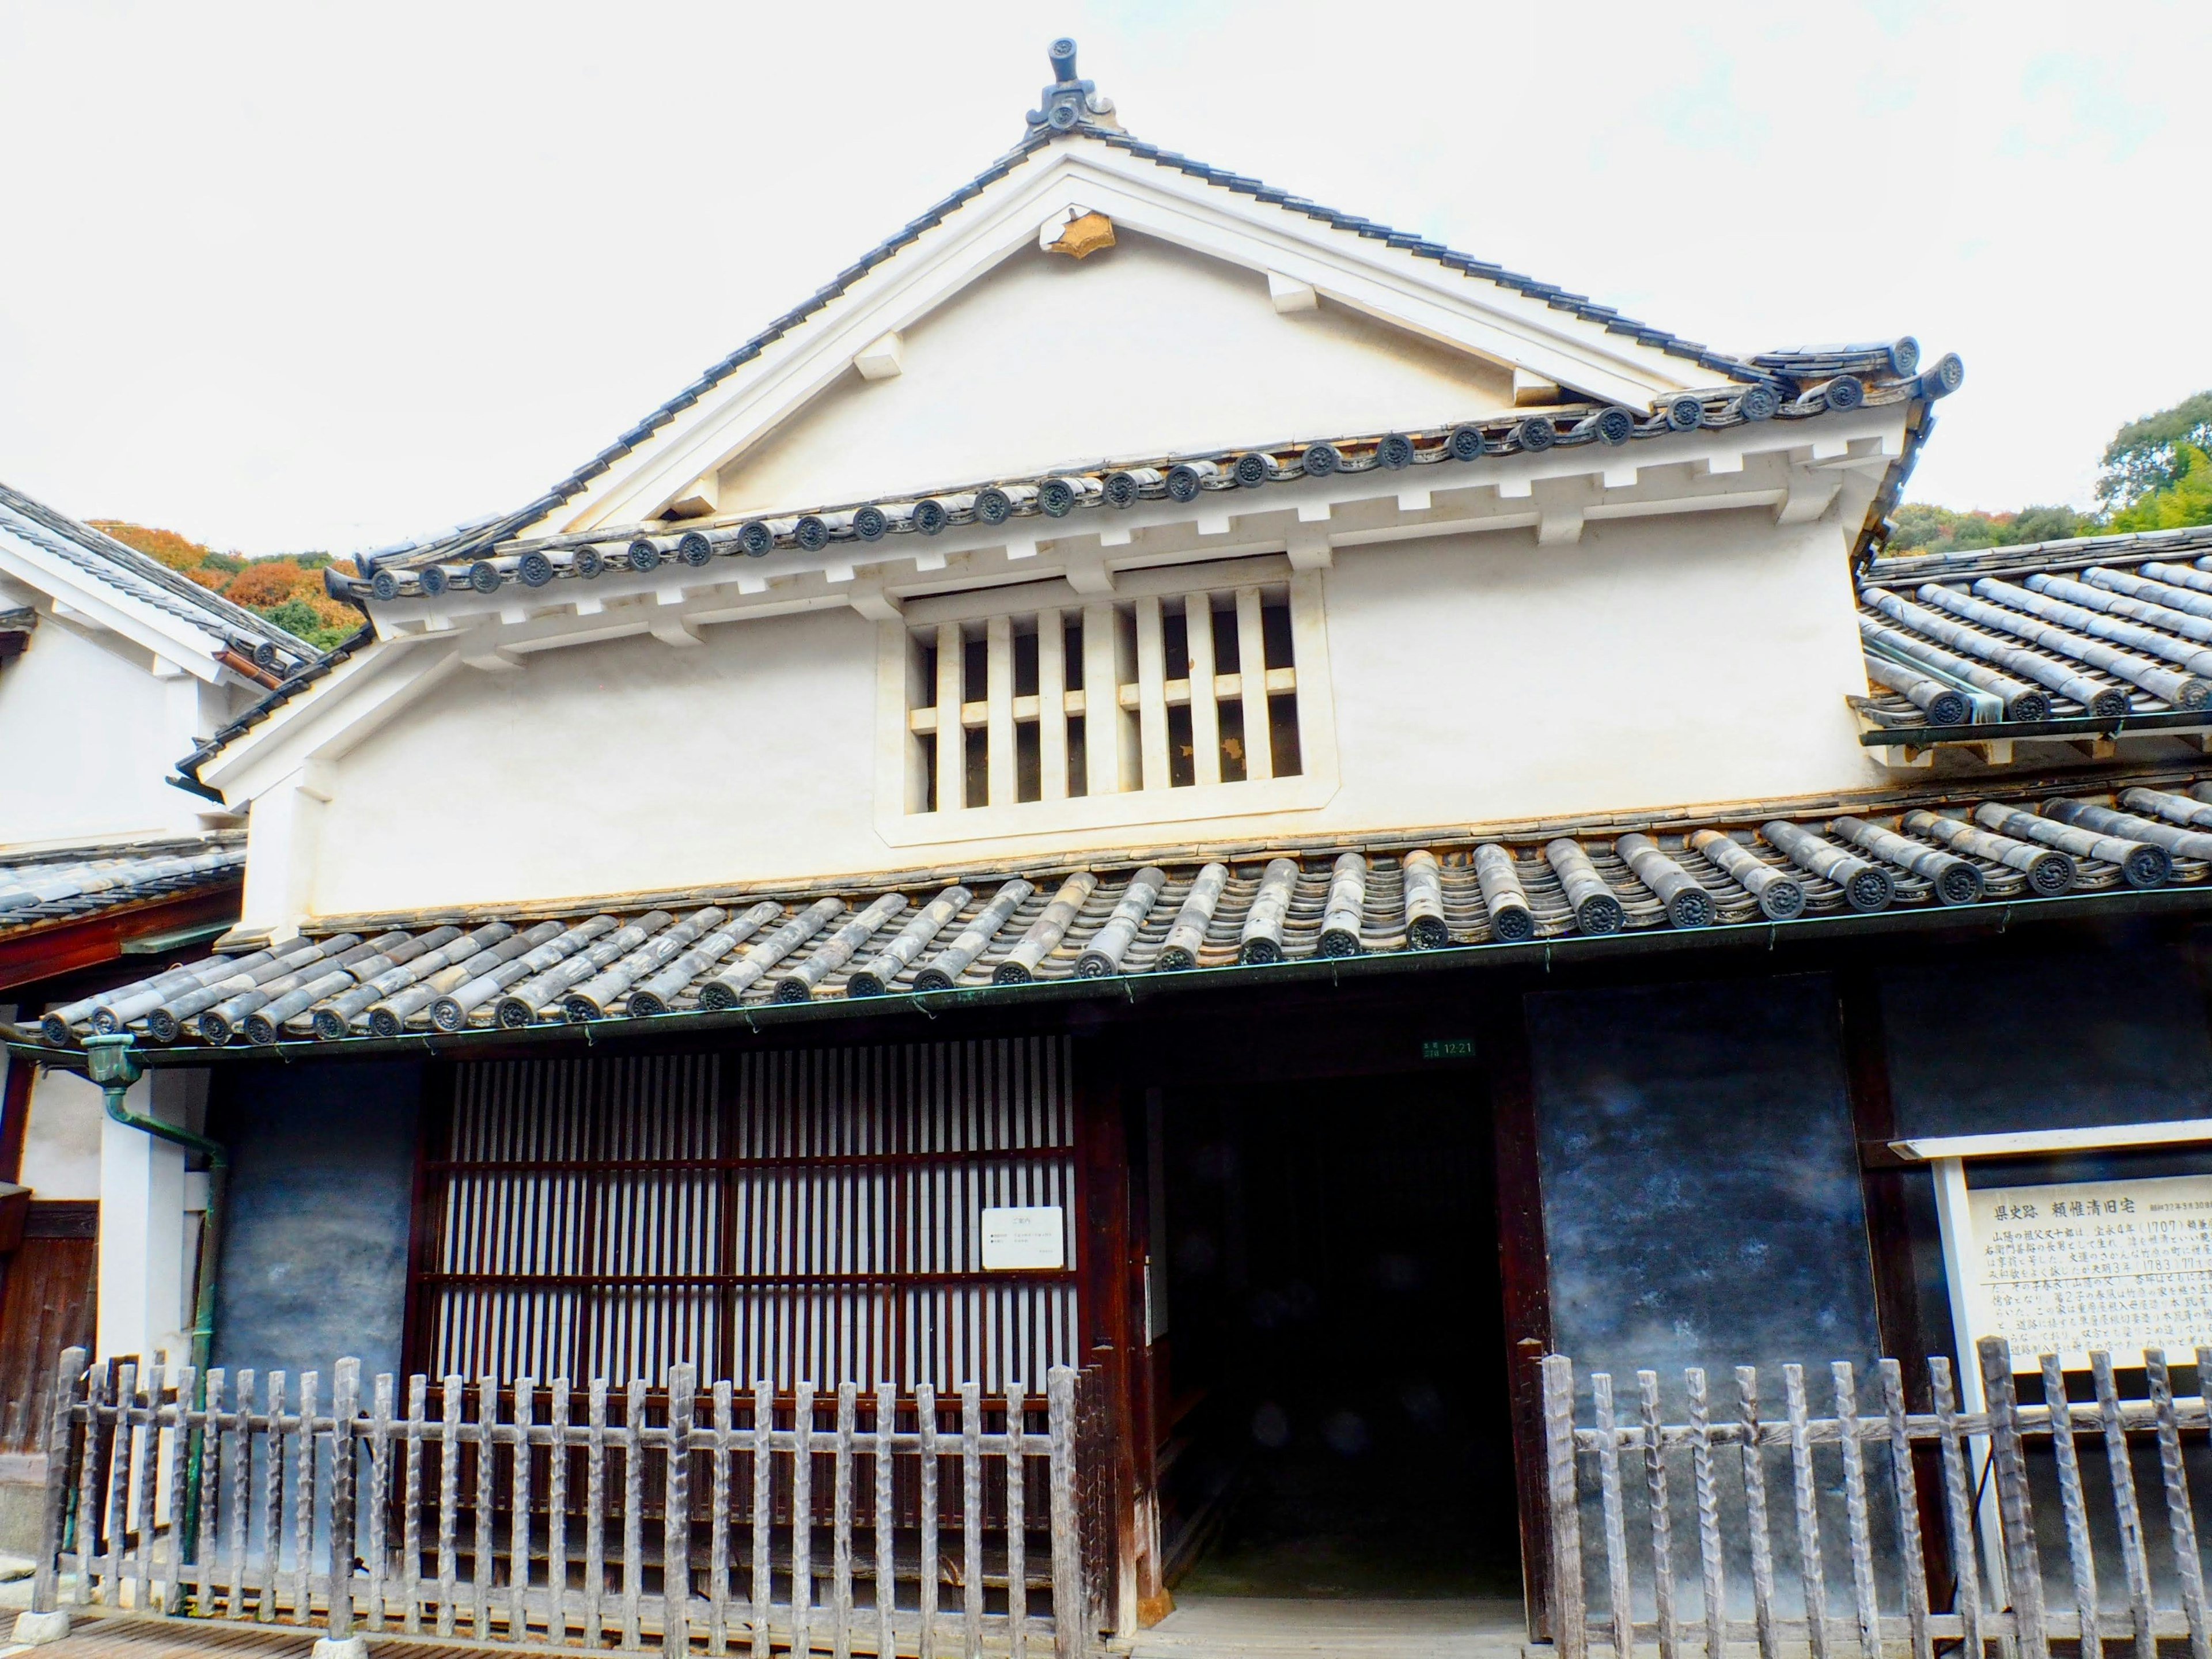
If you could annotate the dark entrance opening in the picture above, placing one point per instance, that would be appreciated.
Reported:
(1334, 1413)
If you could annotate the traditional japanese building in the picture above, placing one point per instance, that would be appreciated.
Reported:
(109, 661)
(1164, 779)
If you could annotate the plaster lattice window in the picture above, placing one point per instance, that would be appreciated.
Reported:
(1182, 702)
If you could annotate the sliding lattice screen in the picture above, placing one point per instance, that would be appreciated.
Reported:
(810, 1215)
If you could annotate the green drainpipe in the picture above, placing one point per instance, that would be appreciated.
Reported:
(114, 1066)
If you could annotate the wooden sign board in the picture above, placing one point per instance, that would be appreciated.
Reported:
(1027, 1236)
(2117, 1265)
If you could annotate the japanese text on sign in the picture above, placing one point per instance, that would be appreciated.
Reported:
(2117, 1265)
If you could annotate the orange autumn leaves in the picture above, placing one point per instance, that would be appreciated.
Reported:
(286, 588)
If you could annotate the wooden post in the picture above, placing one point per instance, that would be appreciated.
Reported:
(1711, 1571)
(1865, 1598)
(487, 1504)
(887, 1559)
(1252, 687)
(305, 1469)
(557, 1511)
(449, 1496)
(1525, 1286)
(45, 1580)
(410, 1511)
(380, 1495)
(951, 736)
(1205, 712)
(998, 700)
(518, 1536)
(2079, 1554)
(1658, 1513)
(1805, 1501)
(1958, 1505)
(841, 1521)
(2181, 1521)
(2127, 1514)
(633, 1537)
(1619, 1588)
(718, 1535)
(595, 1513)
(345, 1405)
(2023, 1569)
(1569, 1629)
(675, 1514)
(1017, 1568)
(1071, 1603)
(971, 1517)
(802, 1515)
(925, 1414)
(1755, 1510)
(1911, 1552)
(763, 1472)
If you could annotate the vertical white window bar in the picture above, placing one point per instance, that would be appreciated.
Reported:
(1152, 697)
(952, 733)
(1102, 703)
(998, 698)
(1251, 686)
(1051, 705)
(1205, 711)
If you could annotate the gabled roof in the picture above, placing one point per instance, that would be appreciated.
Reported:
(1072, 117)
(163, 611)
(67, 908)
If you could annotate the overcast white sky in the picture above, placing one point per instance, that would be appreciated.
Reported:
(289, 276)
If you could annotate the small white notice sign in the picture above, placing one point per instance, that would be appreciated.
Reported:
(1029, 1236)
(2117, 1265)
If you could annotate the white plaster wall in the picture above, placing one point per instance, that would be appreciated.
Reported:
(613, 766)
(1695, 658)
(62, 1141)
(1657, 662)
(104, 731)
(1051, 361)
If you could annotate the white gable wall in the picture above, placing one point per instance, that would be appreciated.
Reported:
(1699, 657)
(1143, 349)
(110, 722)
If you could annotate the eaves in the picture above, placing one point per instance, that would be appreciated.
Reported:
(1788, 944)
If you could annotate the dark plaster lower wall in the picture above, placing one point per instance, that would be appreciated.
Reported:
(1702, 1201)
(2108, 1031)
(315, 1250)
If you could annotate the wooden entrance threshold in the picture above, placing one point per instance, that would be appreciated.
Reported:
(1266, 1627)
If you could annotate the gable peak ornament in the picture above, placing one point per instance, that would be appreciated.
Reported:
(1068, 103)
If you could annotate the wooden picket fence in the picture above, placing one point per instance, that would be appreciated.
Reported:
(1668, 1593)
(723, 1522)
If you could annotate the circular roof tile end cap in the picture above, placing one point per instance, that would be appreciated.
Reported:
(1255, 467)
(431, 578)
(869, 522)
(931, 516)
(484, 576)
(1686, 413)
(1783, 900)
(1056, 498)
(992, 506)
(385, 586)
(534, 569)
(642, 555)
(1394, 451)
(1466, 444)
(1534, 435)
(1320, 460)
(1758, 402)
(694, 549)
(1904, 357)
(1845, 392)
(1614, 426)
(755, 539)
(1946, 377)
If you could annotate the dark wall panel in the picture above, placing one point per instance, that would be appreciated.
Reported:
(1979, 1047)
(1701, 1190)
(314, 1251)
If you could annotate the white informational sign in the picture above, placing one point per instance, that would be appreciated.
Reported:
(1030, 1235)
(2117, 1265)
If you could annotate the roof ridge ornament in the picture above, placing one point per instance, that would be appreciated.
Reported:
(1068, 103)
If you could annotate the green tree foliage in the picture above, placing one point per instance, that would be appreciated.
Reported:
(286, 588)
(2155, 476)
(2145, 456)
(2186, 501)
(1922, 528)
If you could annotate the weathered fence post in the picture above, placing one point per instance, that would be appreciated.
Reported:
(1071, 1599)
(2181, 1523)
(2023, 1567)
(345, 1404)
(675, 1514)
(47, 1621)
(1570, 1634)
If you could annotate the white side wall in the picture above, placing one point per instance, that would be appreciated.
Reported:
(1695, 659)
(62, 1143)
(88, 707)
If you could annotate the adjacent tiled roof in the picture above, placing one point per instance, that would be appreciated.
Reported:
(258, 641)
(1788, 373)
(66, 883)
(1869, 376)
(663, 959)
(2112, 627)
